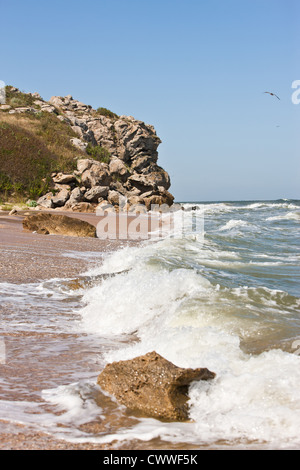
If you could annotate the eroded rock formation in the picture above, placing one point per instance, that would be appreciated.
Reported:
(129, 168)
(152, 385)
(118, 154)
(46, 223)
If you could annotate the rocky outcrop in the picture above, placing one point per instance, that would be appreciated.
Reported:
(46, 223)
(152, 386)
(131, 169)
(94, 182)
(119, 154)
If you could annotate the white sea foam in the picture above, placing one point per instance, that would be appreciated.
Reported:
(233, 224)
(226, 207)
(193, 323)
(287, 216)
(252, 399)
(125, 302)
(271, 205)
(196, 302)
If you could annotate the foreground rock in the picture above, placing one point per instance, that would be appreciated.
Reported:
(152, 385)
(44, 223)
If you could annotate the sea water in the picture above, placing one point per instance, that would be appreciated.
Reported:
(224, 295)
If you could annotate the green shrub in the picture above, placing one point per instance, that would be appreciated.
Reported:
(17, 99)
(31, 204)
(101, 154)
(107, 113)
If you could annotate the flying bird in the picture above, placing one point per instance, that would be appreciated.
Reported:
(272, 94)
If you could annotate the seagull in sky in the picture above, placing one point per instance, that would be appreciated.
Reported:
(272, 94)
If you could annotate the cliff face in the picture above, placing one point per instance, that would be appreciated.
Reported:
(116, 157)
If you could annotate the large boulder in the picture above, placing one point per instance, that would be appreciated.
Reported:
(76, 196)
(152, 385)
(93, 194)
(118, 169)
(84, 164)
(141, 182)
(159, 199)
(61, 198)
(83, 207)
(157, 175)
(135, 138)
(62, 178)
(46, 223)
(97, 175)
(46, 201)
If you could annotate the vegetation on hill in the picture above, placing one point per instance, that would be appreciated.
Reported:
(106, 112)
(18, 99)
(32, 146)
(101, 154)
(35, 144)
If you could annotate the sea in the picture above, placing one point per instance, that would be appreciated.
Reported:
(223, 293)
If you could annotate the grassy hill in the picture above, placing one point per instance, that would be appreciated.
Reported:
(32, 146)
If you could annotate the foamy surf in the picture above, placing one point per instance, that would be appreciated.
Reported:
(169, 299)
(233, 224)
(227, 300)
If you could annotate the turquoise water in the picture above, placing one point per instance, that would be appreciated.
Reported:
(224, 295)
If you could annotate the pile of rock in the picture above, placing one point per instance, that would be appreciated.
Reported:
(37, 106)
(131, 175)
(129, 172)
(112, 183)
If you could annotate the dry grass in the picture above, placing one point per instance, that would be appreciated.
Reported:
(32, 146)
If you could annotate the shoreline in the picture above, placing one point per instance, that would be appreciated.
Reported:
(30, 258)
(41, 357)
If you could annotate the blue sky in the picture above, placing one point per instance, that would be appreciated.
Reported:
(195, 69)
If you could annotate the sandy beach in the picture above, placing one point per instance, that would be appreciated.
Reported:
(30, 257)
(69, 306)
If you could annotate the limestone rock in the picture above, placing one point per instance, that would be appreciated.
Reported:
(163, 198)
(97, 175)
(141, 162)
(62, 178)
(142, 182)
(61, 198)
(93, 194)
(114, 197)
(84, 164)
(152, 385)
(79, 144)
(46, 223)
(36, 95)
(157, 175)
(46, 201)
(83, 207)
(135, 138)
(118, 168)
(48, 108)
(76, 196)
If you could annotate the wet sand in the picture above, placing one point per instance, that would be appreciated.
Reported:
(30, 257)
